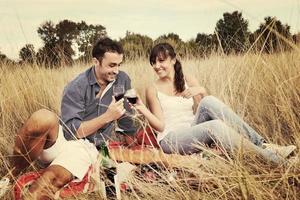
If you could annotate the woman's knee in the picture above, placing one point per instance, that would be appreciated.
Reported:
(212, 105)
(207, 101)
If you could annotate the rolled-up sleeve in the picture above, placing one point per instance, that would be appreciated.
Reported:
(72, 109)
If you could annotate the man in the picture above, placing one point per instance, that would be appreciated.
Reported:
(88, 115)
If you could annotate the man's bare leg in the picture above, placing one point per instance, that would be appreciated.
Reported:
(53, 178)
(39, 132)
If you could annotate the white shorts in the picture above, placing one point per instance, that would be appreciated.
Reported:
(76, 155)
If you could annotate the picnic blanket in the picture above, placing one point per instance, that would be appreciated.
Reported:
(145, 153)
(91, 181)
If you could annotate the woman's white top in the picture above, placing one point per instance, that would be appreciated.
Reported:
(177, 111)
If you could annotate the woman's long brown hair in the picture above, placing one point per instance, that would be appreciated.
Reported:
(163, 50)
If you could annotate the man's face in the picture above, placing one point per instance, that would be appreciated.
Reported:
(108, 68)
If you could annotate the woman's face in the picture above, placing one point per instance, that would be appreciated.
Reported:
(164, 66)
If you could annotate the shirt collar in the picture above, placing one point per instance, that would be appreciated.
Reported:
(92, 77)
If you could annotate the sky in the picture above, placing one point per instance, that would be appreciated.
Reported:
(20, 19)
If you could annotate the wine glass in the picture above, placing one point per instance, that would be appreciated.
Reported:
(131, 96)
(118, 92)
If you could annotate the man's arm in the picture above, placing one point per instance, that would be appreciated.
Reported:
(72, 110)
(114, 112)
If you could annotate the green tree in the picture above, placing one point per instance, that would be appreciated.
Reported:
(270, 34)
(136, 45)
(175, 41)
(48, 54)
(58, 41)
(2, 57)
(233, 32)
(27, 54)
(296, 38)
(87, 36)
(170, 36)
(47, 32)
(66, 32)
(4, 60)
(206, 44)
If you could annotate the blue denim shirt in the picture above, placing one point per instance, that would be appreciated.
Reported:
(79, 104)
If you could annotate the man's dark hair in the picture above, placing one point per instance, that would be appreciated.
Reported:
(106, 45)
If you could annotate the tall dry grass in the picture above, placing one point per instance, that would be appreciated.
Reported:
(263, 89)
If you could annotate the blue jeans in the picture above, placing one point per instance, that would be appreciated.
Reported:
(215, 122)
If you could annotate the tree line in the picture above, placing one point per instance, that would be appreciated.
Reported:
(231, 36)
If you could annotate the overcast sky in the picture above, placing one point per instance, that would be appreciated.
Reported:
(19, 19)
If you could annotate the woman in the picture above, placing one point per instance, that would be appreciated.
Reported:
(180, 122)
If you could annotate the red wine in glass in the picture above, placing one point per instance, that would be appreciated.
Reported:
(132, 99)
(118, 92)
(131, 96)
(118, 96)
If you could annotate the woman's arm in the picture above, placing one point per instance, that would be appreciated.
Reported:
(154, 114)
(195, 90)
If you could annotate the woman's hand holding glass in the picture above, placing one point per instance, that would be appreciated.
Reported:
(135, 100)
(140, 106)
(193, 91)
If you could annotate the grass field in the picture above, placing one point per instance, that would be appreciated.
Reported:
(263, 89)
